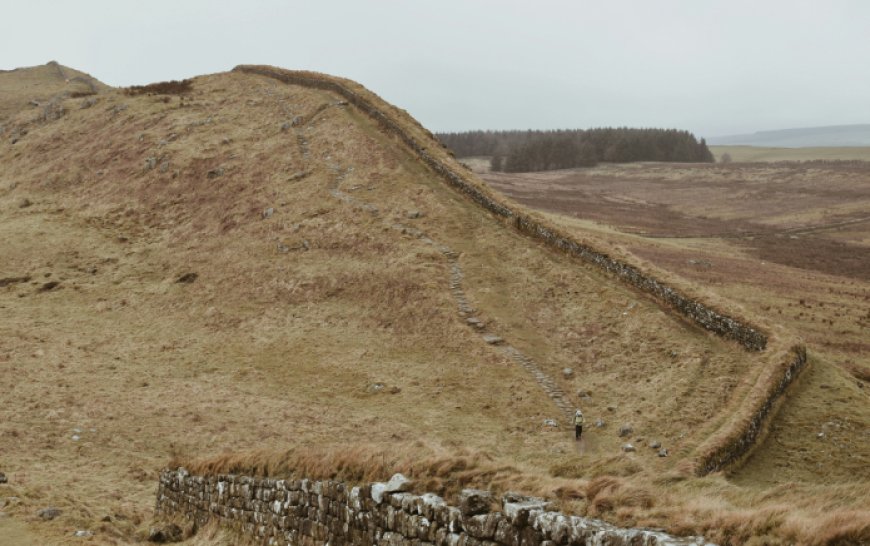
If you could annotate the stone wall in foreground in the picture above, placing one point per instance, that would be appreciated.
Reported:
(307, 513)
(741, 433)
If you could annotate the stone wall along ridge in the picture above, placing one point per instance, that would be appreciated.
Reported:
(307, 513)
(737, 437)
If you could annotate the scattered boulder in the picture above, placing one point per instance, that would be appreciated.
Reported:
(83, 534)
(214, 173)
(48, 513)
(599, 423)
(150, 163)
(663, 452)
(376, 387)
(628, 448)
(3, 478)
(583, 394)
(550, 423)
(187, 278)
(296, 121)
(167, 533)
(625, 430)
(285, 126)
(655, 444)
(414, 214)
(267, 213)
(474, 501)
(567, 373)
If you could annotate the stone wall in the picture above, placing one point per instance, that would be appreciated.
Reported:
(709, 319)
(743, 431)
(306, 513)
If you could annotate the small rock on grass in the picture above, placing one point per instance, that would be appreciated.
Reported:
(48, 513)
(663, 452)
(626, 430)
(83, 533)
(628, 448)
(187, 278)
(168, 533)
(3, 478)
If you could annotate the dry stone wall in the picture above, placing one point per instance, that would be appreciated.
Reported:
(307, 513)
(741, 433)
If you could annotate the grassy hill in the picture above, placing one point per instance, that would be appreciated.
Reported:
(256, 272)
(31, 88)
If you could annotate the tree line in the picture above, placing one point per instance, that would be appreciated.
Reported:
(525, 151)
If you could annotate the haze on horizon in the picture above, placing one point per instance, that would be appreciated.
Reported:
(712, 68)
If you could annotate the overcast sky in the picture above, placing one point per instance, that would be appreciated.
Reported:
(713, 67)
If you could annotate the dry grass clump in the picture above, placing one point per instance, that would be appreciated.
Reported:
(172, 87)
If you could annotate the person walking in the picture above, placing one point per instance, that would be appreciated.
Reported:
(578, 424)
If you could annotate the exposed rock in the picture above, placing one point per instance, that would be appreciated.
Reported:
(492, 339)
(187, 278)
(150, 163)
(376, 387)
(50, 285)
(625, 430)
(599, 423)
(413, 214)
(474, 321)
(663, 452)
(285, 126)
(3, 478)
(474, 501)
(655, 444)
(567, 373)
(296, 121)
(267, 213)
(282, 248)
(214, 173)
(75, 437)
(83, 534)
(628, 448)
(168, 533)
(550, 423)
(48, 513)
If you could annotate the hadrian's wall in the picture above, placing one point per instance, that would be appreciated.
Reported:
(728, 445)
(307, 513)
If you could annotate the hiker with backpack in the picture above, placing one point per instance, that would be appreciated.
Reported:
(578, 424)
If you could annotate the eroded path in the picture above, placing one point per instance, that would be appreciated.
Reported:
(464, 307)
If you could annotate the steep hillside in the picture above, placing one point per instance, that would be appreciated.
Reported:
(256, 265)
(32, 88)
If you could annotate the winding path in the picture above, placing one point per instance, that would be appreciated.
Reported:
(457, 276)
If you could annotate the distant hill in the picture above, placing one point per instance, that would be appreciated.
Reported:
(834, 135)
(23, 88)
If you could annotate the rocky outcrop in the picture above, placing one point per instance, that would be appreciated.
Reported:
(307, 512)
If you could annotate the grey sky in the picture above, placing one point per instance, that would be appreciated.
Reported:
(711, 67)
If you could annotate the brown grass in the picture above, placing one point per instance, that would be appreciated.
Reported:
(278, 349)
(172, 87)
